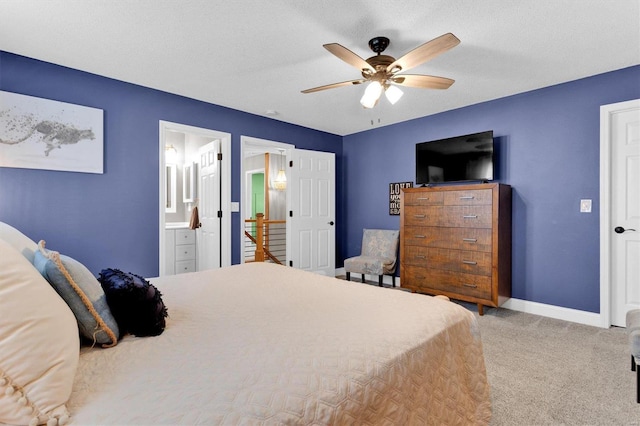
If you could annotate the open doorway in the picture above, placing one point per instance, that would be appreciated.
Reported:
(195, 177)
(264, 199)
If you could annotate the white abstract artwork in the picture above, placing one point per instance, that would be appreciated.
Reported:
(38, 133)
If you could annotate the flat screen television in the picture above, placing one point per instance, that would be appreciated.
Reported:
(457, 159)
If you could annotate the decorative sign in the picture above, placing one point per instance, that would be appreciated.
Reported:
(394, 196)
(38, 133)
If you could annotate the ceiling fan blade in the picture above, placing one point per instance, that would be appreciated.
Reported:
(334, 85)
(422, 81)
(424, 52)
(348, 56)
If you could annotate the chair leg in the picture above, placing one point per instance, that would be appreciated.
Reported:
(348, 276)
(393, 280)
(363, 278)
(636, 368)
(379, 280)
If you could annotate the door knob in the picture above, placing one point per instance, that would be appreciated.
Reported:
(331, 223)
(620, 229)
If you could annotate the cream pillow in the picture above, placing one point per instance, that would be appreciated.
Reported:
(18, 240)
(39, 345)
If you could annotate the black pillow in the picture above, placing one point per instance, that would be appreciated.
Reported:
(135, 303)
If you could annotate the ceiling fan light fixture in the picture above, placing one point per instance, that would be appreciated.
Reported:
(371, 94)
(393, 94)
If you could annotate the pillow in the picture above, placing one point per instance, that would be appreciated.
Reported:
(18, 241)
(39, 345)
(135, 303)
(82, 292)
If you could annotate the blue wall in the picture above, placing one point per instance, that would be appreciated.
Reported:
(111, 220)
(548, 144)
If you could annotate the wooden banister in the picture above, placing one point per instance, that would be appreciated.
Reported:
(261, 238)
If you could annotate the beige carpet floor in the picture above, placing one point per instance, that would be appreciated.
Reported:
(544, 371)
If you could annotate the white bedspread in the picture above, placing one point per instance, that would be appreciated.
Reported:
(267, 344)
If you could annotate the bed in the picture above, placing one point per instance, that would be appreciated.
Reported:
(260, 343)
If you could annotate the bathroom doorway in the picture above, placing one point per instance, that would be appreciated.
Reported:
(195, 199)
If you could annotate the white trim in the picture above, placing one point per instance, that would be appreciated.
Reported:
(535, 308)
(225, 176)
(551, 311)
(606, 111)
(386, 279)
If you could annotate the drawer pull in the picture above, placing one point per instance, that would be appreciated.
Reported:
(470, 240)
(467, 197)
(469, 262)
(470, 216)
(420, 216)
(423, 198)
(470, 285)
(420, 236)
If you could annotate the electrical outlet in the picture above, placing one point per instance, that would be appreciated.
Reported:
(585, 206)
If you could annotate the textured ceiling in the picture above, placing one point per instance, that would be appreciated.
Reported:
(257, 56)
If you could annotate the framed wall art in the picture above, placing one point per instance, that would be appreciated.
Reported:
(394, 196)
(38, 133)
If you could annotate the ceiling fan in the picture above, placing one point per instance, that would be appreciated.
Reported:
(383, 72)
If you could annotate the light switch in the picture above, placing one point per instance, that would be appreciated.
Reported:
(235, 206)
(585, 206)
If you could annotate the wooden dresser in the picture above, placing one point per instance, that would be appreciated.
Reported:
(456, 241)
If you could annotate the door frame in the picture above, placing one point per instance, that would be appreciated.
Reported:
(247, 144)
(225, 177)
(606, 113)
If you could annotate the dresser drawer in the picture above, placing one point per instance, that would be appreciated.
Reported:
(471, 262)
(433, 280)
(466, 198)
(476, 239)
(185, 252)
(422, 198)
(185, 236)
(452, 216)
(185, 266)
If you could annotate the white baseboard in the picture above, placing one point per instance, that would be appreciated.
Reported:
(386, 279)
(549, 311)
(556, 312)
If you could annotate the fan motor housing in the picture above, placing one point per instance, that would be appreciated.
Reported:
(379, 63)
(378, 44)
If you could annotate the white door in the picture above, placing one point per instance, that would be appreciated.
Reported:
(209, 235)
(312, 217)
(625, 211)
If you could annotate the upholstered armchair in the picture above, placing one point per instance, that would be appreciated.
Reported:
(378, 256)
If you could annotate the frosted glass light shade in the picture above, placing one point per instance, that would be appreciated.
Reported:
(393, 94)
(170, 154)
(371, 95)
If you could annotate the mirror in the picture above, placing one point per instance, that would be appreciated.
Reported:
(170, 190)
(189, 182)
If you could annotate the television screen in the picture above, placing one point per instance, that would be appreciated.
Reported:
(461, 158)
